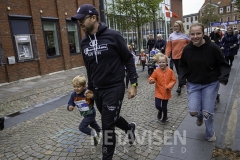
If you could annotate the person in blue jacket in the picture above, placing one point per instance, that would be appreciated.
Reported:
(106, 55)
(228, 45)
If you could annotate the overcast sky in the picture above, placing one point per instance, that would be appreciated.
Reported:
(191, 6)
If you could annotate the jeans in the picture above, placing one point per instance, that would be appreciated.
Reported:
(201, 99)
(89, 120)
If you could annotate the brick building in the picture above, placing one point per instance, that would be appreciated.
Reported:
(38, 37)
(226, 9)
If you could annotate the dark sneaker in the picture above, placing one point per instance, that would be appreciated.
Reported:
(199, 121)
(2, 123)
(159, 115)
(178, 90)
(164, 121)
(131, 134)
(95, 141)
(218, 98)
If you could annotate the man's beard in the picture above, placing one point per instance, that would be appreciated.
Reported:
(90, 29)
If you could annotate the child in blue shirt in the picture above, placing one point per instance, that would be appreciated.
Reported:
(84, 103)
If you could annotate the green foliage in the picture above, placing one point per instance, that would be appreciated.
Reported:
(237, 4)
(209, 15)
(130, 14)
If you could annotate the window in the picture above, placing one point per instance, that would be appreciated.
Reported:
(235, 8)
(235, 17)
(228, 18)
(187, 26)
(73, 37)
(187, 20)
(220, 20)
(191, 19)
(196, 18)
(228, 9)
(220, 10)
(51, 38)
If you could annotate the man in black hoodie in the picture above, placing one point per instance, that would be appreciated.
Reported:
(203, 67)
(106, 55)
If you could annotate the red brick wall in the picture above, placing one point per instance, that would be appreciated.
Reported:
(176, 7)
(50, 8)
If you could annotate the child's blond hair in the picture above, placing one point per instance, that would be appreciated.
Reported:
(157, 56)
(79, 80)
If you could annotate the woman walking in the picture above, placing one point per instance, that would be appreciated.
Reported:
(203, 67)
(228, 45)
(176, 42)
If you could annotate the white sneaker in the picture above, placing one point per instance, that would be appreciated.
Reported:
(213, 138)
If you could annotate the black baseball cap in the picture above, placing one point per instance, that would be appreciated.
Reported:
(85, 9)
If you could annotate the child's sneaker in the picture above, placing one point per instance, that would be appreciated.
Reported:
(2, 123)
(131, 135)
(164, 121)
(159, 115)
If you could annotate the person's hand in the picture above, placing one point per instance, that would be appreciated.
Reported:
(70, 108)
(222, 48)
(223, 83)
(132, 92)
(88, 94)
(151, 81)
(234, 45)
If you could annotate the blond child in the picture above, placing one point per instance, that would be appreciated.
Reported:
(143, 58)
(164, 80)
(84, 103)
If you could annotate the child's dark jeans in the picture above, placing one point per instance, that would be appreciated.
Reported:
(89, 120)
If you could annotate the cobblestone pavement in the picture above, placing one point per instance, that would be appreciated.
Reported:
(55, 136)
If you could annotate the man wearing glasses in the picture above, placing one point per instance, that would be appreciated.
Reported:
(106, 55)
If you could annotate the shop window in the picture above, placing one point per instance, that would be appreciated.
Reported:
(73, 39)
(51, 38)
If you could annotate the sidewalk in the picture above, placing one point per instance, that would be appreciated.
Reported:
(226, 125)
(38, 126)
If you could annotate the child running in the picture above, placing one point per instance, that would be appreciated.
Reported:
(85, 105)
(164, 80)
(143, 58)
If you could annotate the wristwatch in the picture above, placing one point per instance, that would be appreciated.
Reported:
(135, 84)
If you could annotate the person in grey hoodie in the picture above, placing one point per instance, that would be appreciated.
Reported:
(202, 67)
(106, 55)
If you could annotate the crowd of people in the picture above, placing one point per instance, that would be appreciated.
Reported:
(202, 63)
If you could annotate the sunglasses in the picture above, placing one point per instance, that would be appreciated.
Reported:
(83, 19)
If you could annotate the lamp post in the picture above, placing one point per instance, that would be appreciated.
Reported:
(102, 16)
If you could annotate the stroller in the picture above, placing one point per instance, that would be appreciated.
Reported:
(151, 62)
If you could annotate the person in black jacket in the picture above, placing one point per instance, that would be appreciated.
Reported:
(202, 67)
(160, 44)
(106, 55)
(150, 43)
(229, 45)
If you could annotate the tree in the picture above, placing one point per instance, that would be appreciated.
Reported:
(237, 4)
(131, 14)
(209, 15)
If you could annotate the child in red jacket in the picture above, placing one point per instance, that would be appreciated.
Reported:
(164, 80)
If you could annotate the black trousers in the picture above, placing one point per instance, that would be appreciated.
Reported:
(161, 106)
(229, 59)
(108, 102)
(176, 64)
